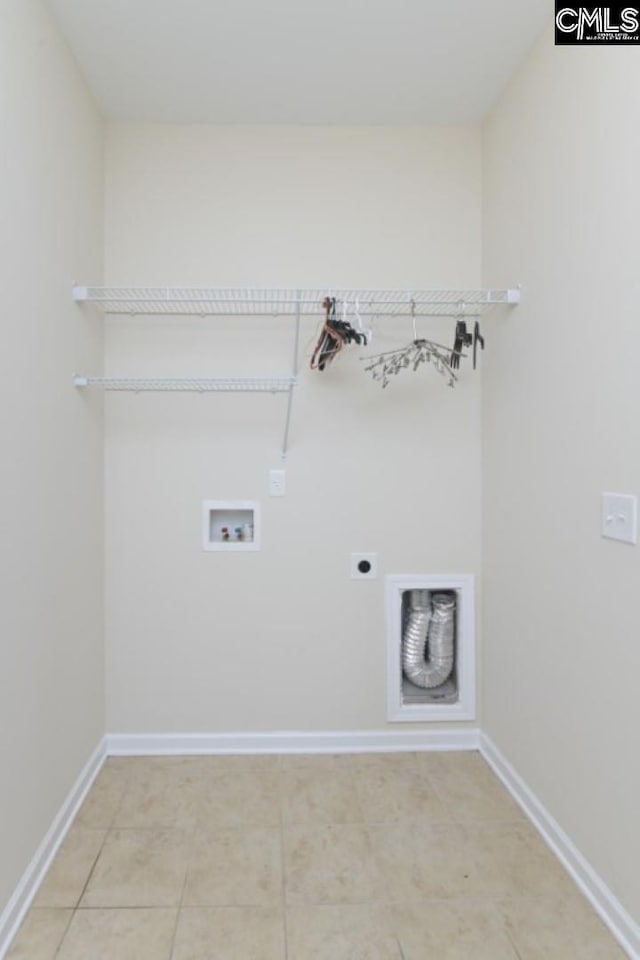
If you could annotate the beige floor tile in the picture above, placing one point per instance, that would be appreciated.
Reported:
(198, 764)
(512, 860)
(139, 868)
(237, 762)
(123, 764)
(143, 765)
(451, 930)
(565, 928)
(161, 794)
(239, 798)
(417, 859)
(403, 793)
(230, 933)
(402, 761)
(355, 932)
(103, 800)
(318, 761)
(470, 790)
(40, 935)
(329, 864)
(239, 866)
(70, 870)
(483, 859)
(312, 795)
(470, 762)
(119, 935)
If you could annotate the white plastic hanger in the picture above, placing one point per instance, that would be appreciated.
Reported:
(366, 333)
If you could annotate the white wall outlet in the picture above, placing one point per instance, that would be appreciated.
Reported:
(277, 483)
(620, 517)
(364, 566)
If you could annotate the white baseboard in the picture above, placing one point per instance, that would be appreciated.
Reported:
(620, 923)
(13, 914)
(356, 741)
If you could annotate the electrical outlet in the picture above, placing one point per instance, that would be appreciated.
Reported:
(277, 483)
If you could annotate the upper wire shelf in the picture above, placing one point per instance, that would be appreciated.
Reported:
(210, 301)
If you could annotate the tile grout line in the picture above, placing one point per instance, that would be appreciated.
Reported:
(495, 904)
(433, 786)
(382, 892)
(285, 926)
(107, 831)
(353, 771)
(92, 870)
(72, 914)
(127, 787)
(191, 846)
(516, 952)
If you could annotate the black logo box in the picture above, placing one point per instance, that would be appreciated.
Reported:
(617, 23)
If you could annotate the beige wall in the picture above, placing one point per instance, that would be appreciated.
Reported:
(280, 639)
(51, 643)
(561, 627)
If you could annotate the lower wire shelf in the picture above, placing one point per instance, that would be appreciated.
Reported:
(190, 384)
(200, 385)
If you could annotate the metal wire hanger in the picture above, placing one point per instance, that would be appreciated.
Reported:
(382, 366)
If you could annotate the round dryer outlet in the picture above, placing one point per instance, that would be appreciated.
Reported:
(364, 566)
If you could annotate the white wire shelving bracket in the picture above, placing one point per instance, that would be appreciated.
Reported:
(246, 302)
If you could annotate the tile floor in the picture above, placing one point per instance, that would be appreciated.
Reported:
(366, 857)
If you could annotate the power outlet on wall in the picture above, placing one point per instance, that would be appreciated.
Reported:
(277, 483)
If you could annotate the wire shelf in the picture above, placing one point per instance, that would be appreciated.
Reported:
(190, 384)
(230, 302)
(209, 301)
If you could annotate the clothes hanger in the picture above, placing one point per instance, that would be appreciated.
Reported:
(368, 333)
(329, 342)
(334, 334)
(462, 339)
(385, 365)
(477, 339)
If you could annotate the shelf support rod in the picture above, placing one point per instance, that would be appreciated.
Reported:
(296, 351)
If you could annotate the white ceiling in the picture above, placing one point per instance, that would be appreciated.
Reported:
(299, 61)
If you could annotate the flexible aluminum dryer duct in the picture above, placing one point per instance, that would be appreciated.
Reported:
(427, 641)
